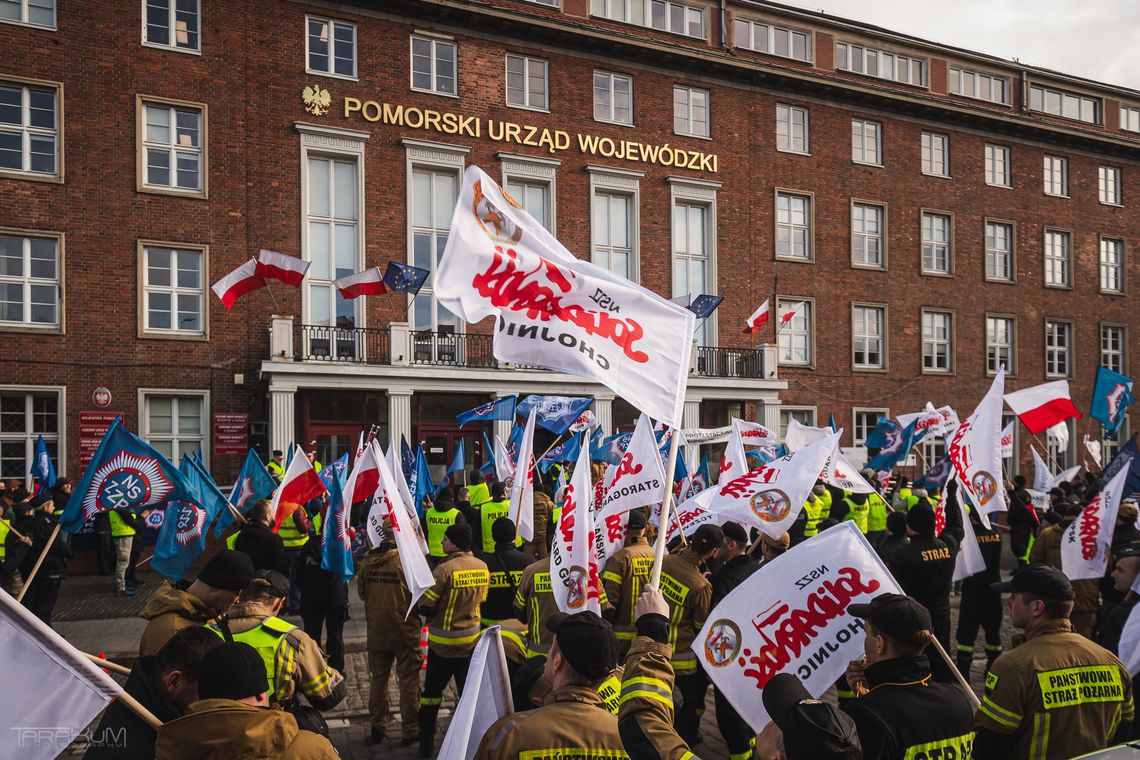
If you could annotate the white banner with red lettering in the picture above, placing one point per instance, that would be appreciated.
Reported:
(975, 452)
(842, 474)
(387, 503)
(1085, 545)
(790, 616)
(970, 560)
(930, 423)
(522, 487)
(1007, 440)
(753, 433)
(396, 470)
(734, 463)
(638, 478)
(557, 311)
(574, 578)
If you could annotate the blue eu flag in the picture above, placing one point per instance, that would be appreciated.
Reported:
(404, 278)
(704, 305)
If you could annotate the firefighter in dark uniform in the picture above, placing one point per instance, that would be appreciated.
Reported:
(506, 565)
(624, 575)
(735, 567)
(900, 711)
(1058, 695)
(981, 605)
(1023, 521)
(535, 604)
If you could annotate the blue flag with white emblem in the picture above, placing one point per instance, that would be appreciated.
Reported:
(567, 451)
(404, 278)
(253, 483)
(407, 457)
(182, 537)
(609, 450)
(420, 483)
(1112, 395)
(336, 535)
(338, 469)
(896, 444)
(554, 413)
(488, 467)
(937, 475)
(43, 470)
(499, 409)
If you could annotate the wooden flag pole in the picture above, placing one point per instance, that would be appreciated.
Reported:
(120, 669)
(666, 504)
(15, 532)
(970, 695)
(40, 561)
(1052, 461)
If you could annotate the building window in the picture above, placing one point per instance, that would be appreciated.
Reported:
(29, 129)
(434, 65)
(613, 98)
(1112, 347)
(1058, 349)
(24, 417)
(866, 142)
(935, 154)
(173, 290)
(1056, 175)
(791, 129)
(1057, 259)
(1110, 448)
(773, 40)
(1000, 349)
(1112, 265)
(1109, 177)
(174, 147)
(692, 254)
(865, 421)
(1130, 119)
(614, 233)
(173, 24)
(690, 111)
(937, 341)
(867, 235)
(657, 14)
(932, 450)
(1067, 105)
(997, 166)
(31, 12)
(434, 193)
(795, 338)
(879, 63)
(29, 281)
(936, 244)
(793, 226)
(868, 336)
(332, 229)
(802, 415)
(175, 425)
(330, 47)
(974, 84)
(535, 198)
(1061, 457)
(999, 251)
(526, 82)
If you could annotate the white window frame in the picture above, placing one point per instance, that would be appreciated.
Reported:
(861, 440)
(847, 53)
(687, 117)
(23, 19)
(808, 413)
(605, 180)
(862, 146)
(1055, 175)
(145, 289)
(934, 245)
(1108, 353)
(857, 251)
(933, 144)
(1040, 97)
(992, 163)
(1062, 459)
(692, 192)
(1105, 267)
(640, 13)
(529, 170)
(1110, 448)
(331, 25)
(27, 281)
(992, 252)
(770, 33)
(802, 326)
(611, 79)
(172, 28)
(793, 227)
(27, 131)
(932, 342)
(142, 102)
(1130, 118)
(1110, 185)
(883, 337)
(958, 77)
(527, 61)
(1066, 350)
(786, 128)
(1052, 259)
(30, 433)
(435, 42)
(1011, 364)
(144, 397)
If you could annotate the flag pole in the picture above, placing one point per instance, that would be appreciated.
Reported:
(970, 695)
(667, 503)
(275, 305)
(13, 531)
(40, 561)
(120, 669)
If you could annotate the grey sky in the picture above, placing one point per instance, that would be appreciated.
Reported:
(1096, 39)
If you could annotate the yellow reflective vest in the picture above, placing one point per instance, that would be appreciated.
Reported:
(438, 521)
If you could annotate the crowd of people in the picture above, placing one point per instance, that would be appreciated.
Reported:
(228, 674)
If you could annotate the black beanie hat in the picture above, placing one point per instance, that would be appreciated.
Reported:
(232, 670)
(706, 538)
(920, 519)
(229, 570)
(460, 535)
(502, 531)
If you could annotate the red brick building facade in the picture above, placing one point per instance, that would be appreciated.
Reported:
(962, 211)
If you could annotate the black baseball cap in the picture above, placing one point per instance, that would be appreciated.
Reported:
(812, 729)
(586, 641)
(278, 583)
(1040, 580)
(636, 520)
(896, 615)
(232, 670)
(734, 531)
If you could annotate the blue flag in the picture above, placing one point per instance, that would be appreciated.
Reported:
(488, 467)
(884, 433)
(185, 523)
(897, 443)
(514, 441)
(253, 484)
(609, 450)
(567, 451)
(404, 277)
(831, 422)
(336, 536)
(1129, 455)
(419, 484)
(700, 479)
(125, 473)
(407, 457)
(455, 466)
(704, 305)
(1112, 395)
(937, 475)
(762, 455)
(555, 413)
(499, 409)
(338, 469)
(43, 469)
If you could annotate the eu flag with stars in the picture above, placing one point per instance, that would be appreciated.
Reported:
(404, 278)
(704, 305)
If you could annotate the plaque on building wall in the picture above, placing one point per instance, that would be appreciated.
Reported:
(231, 434)
(101, 397)
(92, 427)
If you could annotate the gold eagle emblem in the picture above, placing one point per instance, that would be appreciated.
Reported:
(317, 99)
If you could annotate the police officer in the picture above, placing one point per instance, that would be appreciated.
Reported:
(452, 607)
(877, 511)
(898, 709)
(437, 519)
(980, 605)
(689, 595)
(506, 565)
(624, 575)
(736, 565)
(534, 603)
(477, 488)
(1046, 549)
(1057, 695)
(392, 639)
(817, 507)
(276, 465)
(489, 511)
(854, 507)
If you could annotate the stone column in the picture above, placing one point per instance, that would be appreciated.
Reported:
(400, 415)
(501, 428)
(603, 407)
(282, 418)
(691, 418)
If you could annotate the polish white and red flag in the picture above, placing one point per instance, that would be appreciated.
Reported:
(1086, 543)
(370, 282)
(758, 319)
(301, 484)
(789, 315)
(365, 476)
(574, 577)
(1043, 406)
(278, 266)
(244, 279)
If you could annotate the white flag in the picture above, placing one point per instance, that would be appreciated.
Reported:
(1042, 475)
(574, 577)
(1060, 433)
(969, 560)
(1130, 641)
(1085, 545)
(800, 436)
(975, 452)
(930, 421)
(838, 472)
(557, 311)
(609, 531)
(396, 470)
(791, 616)
(1093, 448)
(734, 464)
(504, 466)
(413, 559)
(1007, 440)
(950, 422)
(54, 691)
(638, 478)
(1066, 475)
(522, 488)
(485, 699)
(753, 433)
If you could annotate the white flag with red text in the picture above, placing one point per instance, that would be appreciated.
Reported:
(557, 311)
(969, 560)
(975, 452)
(396, 470)
(1007, 440)
(574, 577)
(930, 421)
(486, 697)
(838, 472)
(609, 531)
(522, 487)
(388, 503)
(1085, 545)
(753, 433)
(734, 463)
(791, 616)
(638, 478)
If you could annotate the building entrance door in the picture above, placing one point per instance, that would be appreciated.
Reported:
(440, 444)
